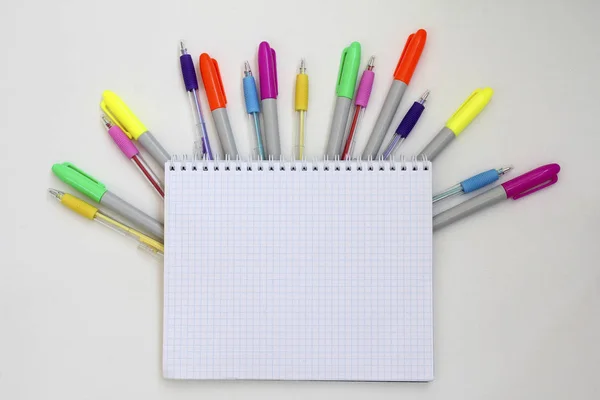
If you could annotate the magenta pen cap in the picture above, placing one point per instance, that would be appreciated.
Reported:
(267, 71)
(532, 181)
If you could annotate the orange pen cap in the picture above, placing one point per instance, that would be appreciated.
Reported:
(410, 56)
(213, 84)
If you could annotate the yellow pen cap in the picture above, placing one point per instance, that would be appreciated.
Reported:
(79, 206)
(469, 110)
(121, 115)
(301, 102)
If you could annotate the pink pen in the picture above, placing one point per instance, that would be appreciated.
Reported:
(128, 148)
(362, 99)
(516, 188)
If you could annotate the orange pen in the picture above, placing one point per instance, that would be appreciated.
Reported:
(402, 75)
(217, 101)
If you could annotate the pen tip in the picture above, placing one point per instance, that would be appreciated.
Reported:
(424, 97)
(56, 193)
(302, 66)
(371, 63)
(247, 70)
(503, 170)
(182, 48)
(106, 121)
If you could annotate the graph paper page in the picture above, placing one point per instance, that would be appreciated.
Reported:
(298, 275)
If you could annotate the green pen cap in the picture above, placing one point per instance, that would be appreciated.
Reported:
(346, 81)
(79, 180)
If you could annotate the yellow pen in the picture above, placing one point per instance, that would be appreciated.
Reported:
(91, 212)
(458, 122)
(301, 105)
(121, 115)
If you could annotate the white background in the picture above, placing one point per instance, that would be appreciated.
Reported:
(517, 287)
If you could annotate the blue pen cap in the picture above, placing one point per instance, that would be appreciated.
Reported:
(251, 95)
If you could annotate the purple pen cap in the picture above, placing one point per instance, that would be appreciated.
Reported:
(267, 71)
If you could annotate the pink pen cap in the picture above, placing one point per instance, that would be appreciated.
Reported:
(121, 139)
(531, 181)
(267, 71)
(366, 85)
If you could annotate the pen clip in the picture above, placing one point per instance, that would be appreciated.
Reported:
(341, 70)
(403, 55)
(82, 173)
(219, 79)
(274, 57)
(465, 103)
(534, 189)
(110, 115)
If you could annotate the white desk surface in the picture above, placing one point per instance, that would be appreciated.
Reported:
(517, 287)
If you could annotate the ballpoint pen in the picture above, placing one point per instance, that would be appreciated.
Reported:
(121, 115)
(363, 93)
(91, 212)
(267, 72)
(217, 101)
(344, 90)
(406, 125)
(95, 190)
(253, 109)
(188, 72)
(301, 106)
(402, 75)
(128, 148)
(472, 184)
(458, 122)
(516, 188)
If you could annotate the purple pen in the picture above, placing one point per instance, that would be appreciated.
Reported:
(406, 125)
(188, 72)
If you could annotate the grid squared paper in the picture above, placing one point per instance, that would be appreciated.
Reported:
(298, 274)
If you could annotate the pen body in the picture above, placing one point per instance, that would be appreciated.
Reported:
(150, 176)
(386, 115)
(255, 137)
(471, 206)
(221, 119)
(338, 126)
(202, 143)
(271, 125)
(438, 143)
(137, 217)
(299, 141)
(149, 142)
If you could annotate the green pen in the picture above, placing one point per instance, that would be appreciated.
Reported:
(346, 82)
(95, 190)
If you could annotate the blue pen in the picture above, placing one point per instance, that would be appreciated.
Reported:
(253, 108)
(473, 183)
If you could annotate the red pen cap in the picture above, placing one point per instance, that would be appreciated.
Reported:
(410, 56)
(531, 181)
(213, 84)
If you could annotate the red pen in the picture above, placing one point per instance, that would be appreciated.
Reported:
(128, 148)
(362, 99)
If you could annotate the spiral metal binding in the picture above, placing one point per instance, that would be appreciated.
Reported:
(194, 163)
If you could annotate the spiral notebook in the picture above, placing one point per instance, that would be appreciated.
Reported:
(298, 271)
